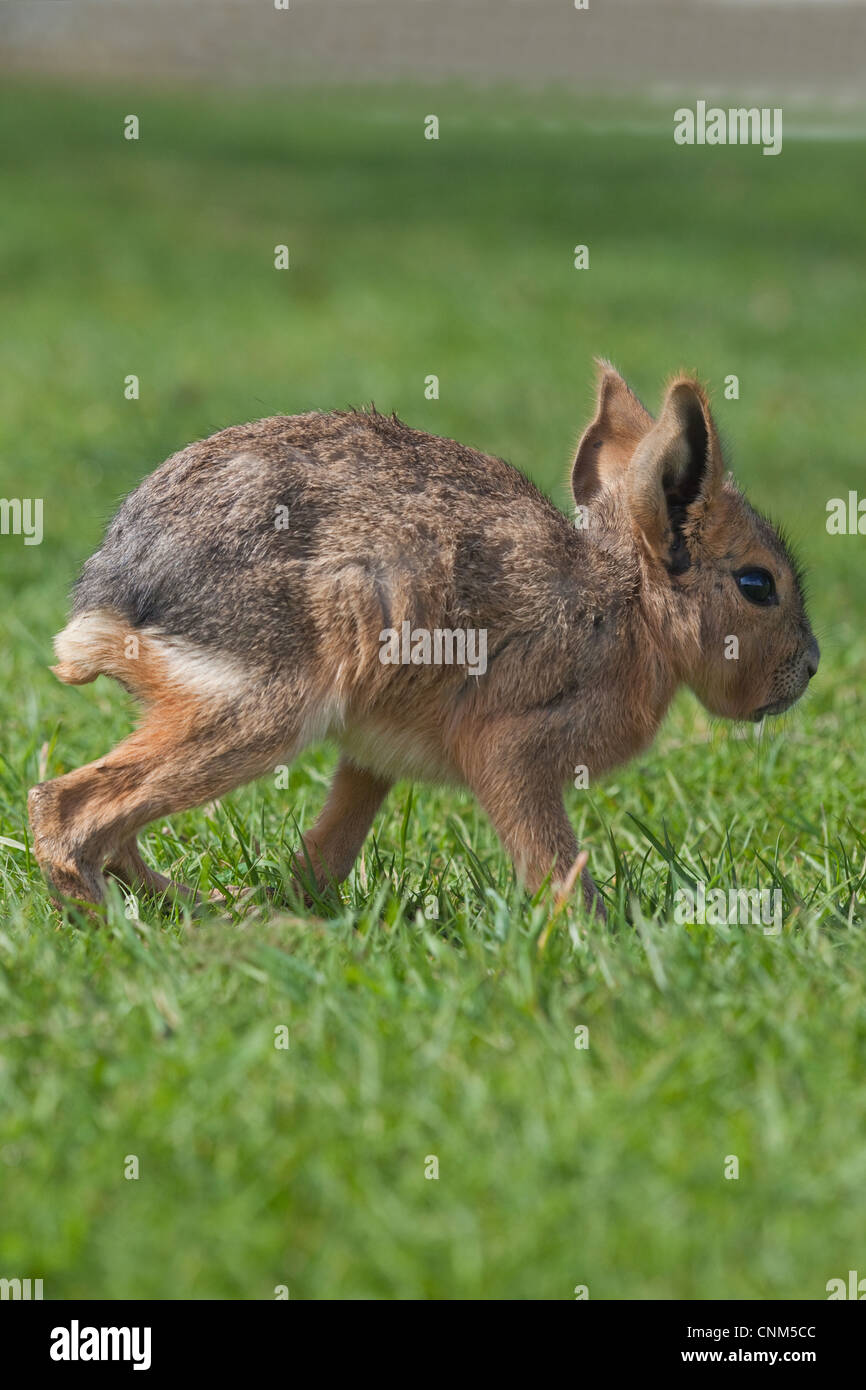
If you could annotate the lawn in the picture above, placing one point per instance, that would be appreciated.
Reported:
(423, 1020)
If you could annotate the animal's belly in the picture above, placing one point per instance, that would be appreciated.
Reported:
(397, 753)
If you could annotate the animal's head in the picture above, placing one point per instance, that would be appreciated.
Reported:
(713, 566)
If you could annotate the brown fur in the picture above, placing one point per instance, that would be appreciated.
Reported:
(251, 640)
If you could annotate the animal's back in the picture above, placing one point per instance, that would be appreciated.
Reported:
(265, 536)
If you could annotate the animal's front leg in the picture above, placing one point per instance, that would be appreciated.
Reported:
(333, 844)
(523, 799)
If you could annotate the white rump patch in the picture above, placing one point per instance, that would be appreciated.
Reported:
(204, 670)
(102, 642)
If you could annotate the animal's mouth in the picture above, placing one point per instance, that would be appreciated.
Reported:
(774, 707)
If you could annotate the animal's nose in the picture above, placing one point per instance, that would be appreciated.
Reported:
(813, 656)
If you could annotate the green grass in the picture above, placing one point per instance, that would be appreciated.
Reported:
(413, 1035)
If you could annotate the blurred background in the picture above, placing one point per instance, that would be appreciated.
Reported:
(411, 258)
(813, 47)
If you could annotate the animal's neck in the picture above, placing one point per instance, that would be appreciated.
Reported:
(652, 635)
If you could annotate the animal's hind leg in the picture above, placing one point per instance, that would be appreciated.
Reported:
(127, 865)
(334, 842)
(180, 757)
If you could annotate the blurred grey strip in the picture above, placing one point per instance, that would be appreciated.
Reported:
(617, 44)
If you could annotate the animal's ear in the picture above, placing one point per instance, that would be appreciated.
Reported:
(675, 475)
(607, 445)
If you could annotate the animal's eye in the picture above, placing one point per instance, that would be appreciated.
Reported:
(756, 585)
